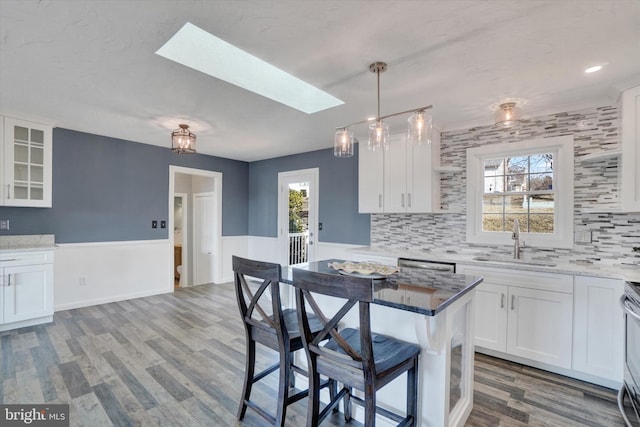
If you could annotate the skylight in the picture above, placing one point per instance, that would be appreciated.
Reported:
(195, 48)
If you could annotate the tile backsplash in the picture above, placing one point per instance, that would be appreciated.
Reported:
(596, 204)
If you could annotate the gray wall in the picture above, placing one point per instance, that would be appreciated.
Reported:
(107, 189)
(338, 198)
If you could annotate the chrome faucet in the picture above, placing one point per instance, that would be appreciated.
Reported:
(516, 237)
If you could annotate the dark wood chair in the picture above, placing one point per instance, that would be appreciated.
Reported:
(357, 358)
(267, 323)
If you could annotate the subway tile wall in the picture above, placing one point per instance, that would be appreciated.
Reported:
(596, 204)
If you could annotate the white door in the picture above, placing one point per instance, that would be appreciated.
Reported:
(298, 215)
(491, 316)
(204, 237)
(540, 326)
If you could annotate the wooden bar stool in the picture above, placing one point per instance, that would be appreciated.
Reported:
(357, 358)
(266, 323)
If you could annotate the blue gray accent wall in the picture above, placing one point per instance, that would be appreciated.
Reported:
(338, 198)
(107, 189)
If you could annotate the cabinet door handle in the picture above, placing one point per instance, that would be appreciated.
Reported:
(513, 302)
(9, 282)
(408, 200)
(379, 200)
(502, 301)
(8, 191)
(402, 200)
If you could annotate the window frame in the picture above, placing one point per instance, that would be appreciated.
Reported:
(561, 148)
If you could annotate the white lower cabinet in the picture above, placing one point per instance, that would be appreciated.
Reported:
(598, 331)
(525, 314)
(26, 288)
(539, 325)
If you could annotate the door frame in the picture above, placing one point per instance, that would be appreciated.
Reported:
(217, 189)
(313, 176)
(184, 276)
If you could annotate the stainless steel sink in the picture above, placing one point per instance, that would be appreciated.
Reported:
(513, 261)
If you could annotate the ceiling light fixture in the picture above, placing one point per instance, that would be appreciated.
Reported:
(593, 69)
(183, 141)
(507, 115)
(420, 125)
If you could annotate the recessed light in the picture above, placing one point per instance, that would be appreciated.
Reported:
(593, 69)
(195, 48)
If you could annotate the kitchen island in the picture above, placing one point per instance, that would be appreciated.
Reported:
(435, 310)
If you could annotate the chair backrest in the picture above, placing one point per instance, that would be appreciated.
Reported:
(253, 303)
(355, 290)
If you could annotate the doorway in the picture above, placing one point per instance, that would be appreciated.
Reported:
(187, 184)
(298, 215)
(180, 243)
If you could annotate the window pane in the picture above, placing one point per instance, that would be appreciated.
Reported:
(516, 204)
(541, 223)
(494, 184)
(493, 167)
(541, 181)
(522, 220)
(492, 204)
(542, 162)
(516, 182)
(37, 136)
(541, 203)
(517, 165)
(492, 222)
(21, 133)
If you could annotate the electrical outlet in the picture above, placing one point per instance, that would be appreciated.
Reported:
(4, 224)
(582, 237)
(154, 224)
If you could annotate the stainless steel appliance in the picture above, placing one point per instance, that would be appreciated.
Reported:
(427, 265)
(630, 303)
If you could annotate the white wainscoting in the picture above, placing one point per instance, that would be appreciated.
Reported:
(232, 245)
(95, 273)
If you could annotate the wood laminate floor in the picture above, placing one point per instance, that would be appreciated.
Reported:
(178, 360)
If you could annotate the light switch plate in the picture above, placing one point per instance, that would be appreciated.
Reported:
(4, 224)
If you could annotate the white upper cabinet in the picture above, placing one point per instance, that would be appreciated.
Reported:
(407, 176)
(370, 180)
(25, 179)
(403, 179)
(630, 185)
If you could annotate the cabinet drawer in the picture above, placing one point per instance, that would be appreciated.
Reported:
(12, 259)
(523, 278)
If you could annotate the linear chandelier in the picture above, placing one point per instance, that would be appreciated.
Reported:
(420, 125)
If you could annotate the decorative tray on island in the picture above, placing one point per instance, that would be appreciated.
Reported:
(368, 270)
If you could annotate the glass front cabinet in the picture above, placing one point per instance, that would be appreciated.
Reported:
(26, 163)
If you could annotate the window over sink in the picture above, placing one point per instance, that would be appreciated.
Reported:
(531, 181)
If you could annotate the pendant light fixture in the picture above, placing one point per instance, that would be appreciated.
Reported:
(507, 115)
(183, 141)
(420, 125)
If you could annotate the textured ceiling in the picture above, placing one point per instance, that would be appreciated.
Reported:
(90, 65)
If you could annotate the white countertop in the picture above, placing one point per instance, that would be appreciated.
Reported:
(620, 271)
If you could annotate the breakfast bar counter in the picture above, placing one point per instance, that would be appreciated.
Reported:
(435, 310)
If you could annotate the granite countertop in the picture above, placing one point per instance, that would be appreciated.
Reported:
(620, 271)
(417, 290)
(27, 243)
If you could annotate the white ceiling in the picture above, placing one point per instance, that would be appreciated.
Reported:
(90, 65)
